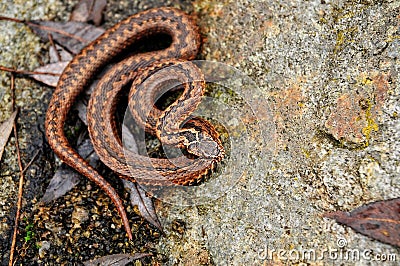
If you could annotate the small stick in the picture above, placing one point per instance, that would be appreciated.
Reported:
(24, 72)
(54, 46)
(21, 180)
(30, 162)
(46, 28)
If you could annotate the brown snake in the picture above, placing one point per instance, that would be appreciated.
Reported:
(197, 135)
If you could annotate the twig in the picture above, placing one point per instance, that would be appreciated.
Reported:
(12, 19)
(24, 72)
(26, 167)
(21, 179)
(30, 162)
(54, 46)
(45, 28)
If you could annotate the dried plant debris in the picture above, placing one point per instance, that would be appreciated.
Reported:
(81, 107)
(81, 104)
(145, 204)
(6, 129)
(71, 35)
(58, 54)
(130, 143)
(379, 220)
(55, 68)
(66, 178)
(89, 11)
(138, 196)
(116, 260)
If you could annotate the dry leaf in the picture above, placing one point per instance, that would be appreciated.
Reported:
(129, 140)
(145, 204)
(138, 195)
(56, 68)
(81, 104)
(86, 150)
(71, 35)
(116, 260)
(66, 178)
(59, 51)
(81, 107)
(89, 10)
(5, 129)
(379, 220)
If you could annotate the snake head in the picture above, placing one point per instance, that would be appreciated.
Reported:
(206, 147)
(202, 140)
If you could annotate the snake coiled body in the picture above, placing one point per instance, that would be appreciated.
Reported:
(82, 70)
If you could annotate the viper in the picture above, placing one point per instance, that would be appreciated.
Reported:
(147, 73)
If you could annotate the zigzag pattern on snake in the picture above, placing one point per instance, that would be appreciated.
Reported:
(196, 135)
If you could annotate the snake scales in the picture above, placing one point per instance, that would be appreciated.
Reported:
(143, 70)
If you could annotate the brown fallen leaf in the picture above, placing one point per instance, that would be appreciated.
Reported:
(145, 203)
(58, 54)
(50, 80)
(63, 180)
(116, 260)
(66, 178)
(71, 35)
(89, 10)
(6, 129)
(129, 140)
(138, 195)
(379, 220)
(58, 68)
(81, 107)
